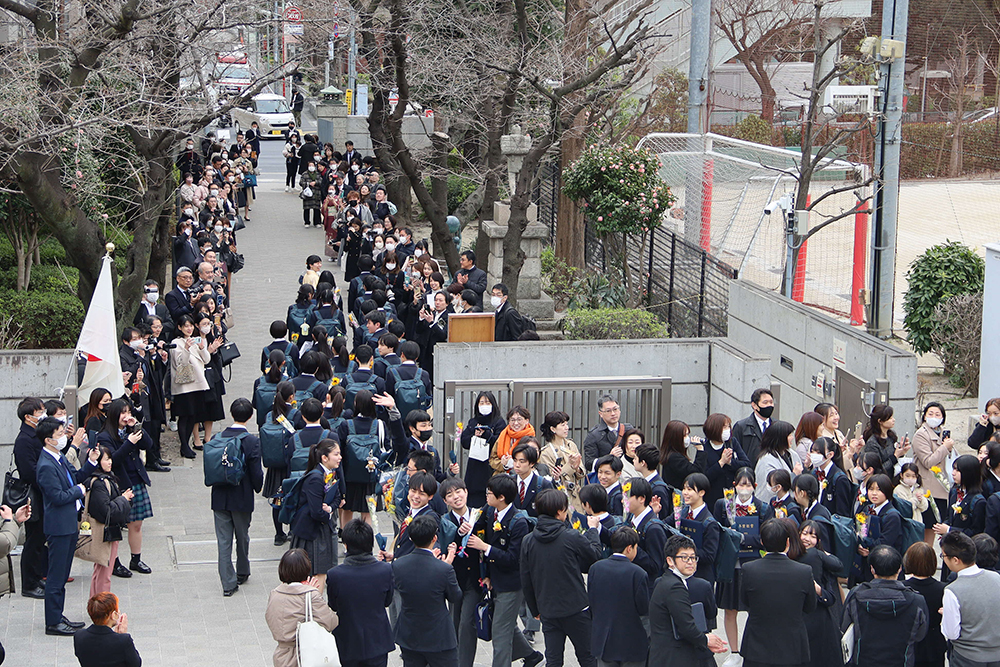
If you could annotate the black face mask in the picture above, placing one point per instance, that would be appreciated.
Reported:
(766, 412)
(425, 435)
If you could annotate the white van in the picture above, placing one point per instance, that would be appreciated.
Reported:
(270, 111)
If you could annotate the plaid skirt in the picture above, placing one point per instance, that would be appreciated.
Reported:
(142, 505)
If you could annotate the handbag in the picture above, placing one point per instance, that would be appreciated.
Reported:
(184, 373)
(314, 645)
(239, 224)
(228, 353)
(90, 545)
(16, 491)
(479, 449)
(484, 617)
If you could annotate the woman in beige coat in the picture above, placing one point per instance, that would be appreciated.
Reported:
(562, 456)
(286, 606)
(188, 385)
(931, 450)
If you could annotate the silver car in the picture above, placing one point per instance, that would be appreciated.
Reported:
(271, 112)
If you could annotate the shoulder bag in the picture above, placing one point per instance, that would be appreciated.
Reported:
(184, 373)
(90, 545)
(16, 491)
(314, 645)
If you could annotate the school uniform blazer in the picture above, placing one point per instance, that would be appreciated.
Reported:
(310, 515)
(303, 382)
(101, 646)
(407, 372)
(467, 567)
(838, 496)
(359, 590)
(669, 608)
(426, 585)
(57, 481)
(972, 519)
(992, 520)
(709, 543)
(821, 514)
(125, 460)
(503, 563)
(666, 495)
(382, 365)
(404, 545)
(291, 351)
(763, 511)
(535, 483)
(615, 501)
(775, 586)
(619, 596)
(652, 538)
(790, 507)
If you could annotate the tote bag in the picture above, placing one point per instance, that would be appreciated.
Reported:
(90, 545)
(315, 646)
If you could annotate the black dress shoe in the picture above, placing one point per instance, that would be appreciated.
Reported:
(73, 624)
(121, 571)
(278, 541)
(163, 462)
(38, 593)
(241, 578)
(534, 659)
(189, 454)
(61, 630)
(139, 566)
(156, 467)
(230, 592)
(198, 448)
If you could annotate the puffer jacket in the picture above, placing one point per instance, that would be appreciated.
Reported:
(10, 532)
(889, 618)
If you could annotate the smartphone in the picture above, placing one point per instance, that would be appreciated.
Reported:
(69, 420)
(559, 461)
(430, 300)
(945, 434)
(858, 430)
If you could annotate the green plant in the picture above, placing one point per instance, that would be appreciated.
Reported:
(612, 324)
(48, 320)
(957, 338)
(594, 290)
(559, 280)
(941, 272)
(755, 129)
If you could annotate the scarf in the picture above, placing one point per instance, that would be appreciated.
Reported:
(360, 559)
(508, 439)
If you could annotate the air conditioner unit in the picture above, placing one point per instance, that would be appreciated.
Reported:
(850, 99)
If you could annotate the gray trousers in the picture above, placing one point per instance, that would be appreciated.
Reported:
(508, 642)
(227, 526)
(463, 613)
(958, 660)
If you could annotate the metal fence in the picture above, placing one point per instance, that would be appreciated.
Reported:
(546, 196)
(645, 402)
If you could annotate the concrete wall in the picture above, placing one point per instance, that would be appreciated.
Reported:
(416, 130)
(708, 375)
(24, 373)
(774, 326)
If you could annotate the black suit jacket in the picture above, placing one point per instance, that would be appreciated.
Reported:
(746, 433)
(240, 498)
(503, 563)
(776, 587)
(426, 585)
(101, 646)
(535, 484)
(359, 590)
(58, 484)
(619, 596)
(504, 329)
(652, 538)
(404, 545)
(670, 608)
(476, 282)
(467, 567)
(178, 303)
(163, 313)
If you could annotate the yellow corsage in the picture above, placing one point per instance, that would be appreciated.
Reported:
(751, 509)
(576, 525)
(334, 382)
(84, 525)
(329, 477)
(781, 513)
(822, 484)
(927, 494)
(956, 508)
(936, 470)
(407, 520)
(497, 527)
(677, 499)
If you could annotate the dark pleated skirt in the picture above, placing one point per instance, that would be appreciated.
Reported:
(356, 498)
(273, 480)
(322, 551)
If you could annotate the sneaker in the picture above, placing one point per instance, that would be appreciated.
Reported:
(172, 425)
(287, 189)
(734, 660)
(529, 636)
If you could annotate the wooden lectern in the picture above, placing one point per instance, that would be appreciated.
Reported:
(471, 328)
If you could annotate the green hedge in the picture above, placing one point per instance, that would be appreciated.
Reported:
(612, 324)
(926, 149)
(49, 320)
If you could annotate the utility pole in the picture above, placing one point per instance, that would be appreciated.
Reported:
(895, 14)
(699, 87)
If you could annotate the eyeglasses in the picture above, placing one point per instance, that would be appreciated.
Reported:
(612, 410)
(687, 559)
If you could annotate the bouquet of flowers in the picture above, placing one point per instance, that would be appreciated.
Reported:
(940, 476)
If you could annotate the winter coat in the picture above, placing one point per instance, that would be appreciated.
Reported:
(108, 505)
(286, 608)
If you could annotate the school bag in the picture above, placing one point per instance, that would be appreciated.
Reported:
(297, 316)
(845, 541)
(263, 399)
(410, 394)
(300, 453)
(730, 541)
(288, 497)
(352, 387)
(303, 394)
(331, 324)
(359, 449)
(224, 461)
(272, 436)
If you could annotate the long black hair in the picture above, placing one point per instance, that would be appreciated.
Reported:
(968, 467)
(318, 451)
(488, 395)
(775, 441)
(115, 410)
(282, 395)
(275, 363)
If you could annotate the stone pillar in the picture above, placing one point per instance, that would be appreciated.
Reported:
(531, 300)
(331, 121)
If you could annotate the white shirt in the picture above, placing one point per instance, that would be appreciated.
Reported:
(613, 429)
(636, 520)
(413, 512)
(696, 512)
(150, 307)
(951, 615)
(612, 488)
(242, 426)
(523, 484)
(458, 517)
(762, 423)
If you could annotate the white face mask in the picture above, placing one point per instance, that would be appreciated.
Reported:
(744, 494)
(379, 245)
(495, 301)
(152, 297)
(486, 410)
(62, 441)
(355, 168)
(312, 168)
(390, 266)
(418, 252)
(934, 422)
(218, 229)
(137, 344)
(859, 474)
(687, 440)
(205, 328)
(817, 459)
(995, 420)
(390, 246)
(909, 481)
(189, 211)
(726, 434)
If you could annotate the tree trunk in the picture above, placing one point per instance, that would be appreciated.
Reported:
(161, 249)
(571, 224)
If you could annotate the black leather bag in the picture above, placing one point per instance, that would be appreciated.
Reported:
(228, 353)
(17, 492)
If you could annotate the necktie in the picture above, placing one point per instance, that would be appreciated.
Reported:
(690, 514)
(960, 496)
(820, 475)
(767, 422)
(521, 494)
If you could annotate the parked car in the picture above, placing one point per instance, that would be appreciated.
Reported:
(270, 111)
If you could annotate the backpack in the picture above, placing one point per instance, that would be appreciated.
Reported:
(288, 497)
(410, 394)
(297, 316)
(263, 399)
(300, 453)
(662, 489)
(272, 440)
(331, 324)
(290, 369)
(845, 541)
(353, 387)
(519, 324)
(359, 449)
(730, 542)
(303, 394)
(224, 460)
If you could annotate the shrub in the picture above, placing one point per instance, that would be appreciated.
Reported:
(942, 271)
(612, 324)
(594, 291)
(957, 336)
(755, 129)
(48, 320)
(926, 149)
(559, 280)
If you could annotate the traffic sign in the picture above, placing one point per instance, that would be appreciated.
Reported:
(293, 14)
(394, 97)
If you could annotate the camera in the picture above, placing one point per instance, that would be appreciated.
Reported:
(785, 203)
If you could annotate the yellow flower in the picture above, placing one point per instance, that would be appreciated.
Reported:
(497, 527)
(936, 470)
(927, 494)
(459, 426)
(407, 520)
(861, 518)
(822, 484)
(626, 488)
(956, 508)
(576, 525)
(677, 499)
(334, 382)
(729, 493)
(328, 477)
(752, 509)
(781, 513)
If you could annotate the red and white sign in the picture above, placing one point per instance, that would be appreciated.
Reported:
(394, 98)
(428, 113)
(293, 14)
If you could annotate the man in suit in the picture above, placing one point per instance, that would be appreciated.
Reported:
(554, 559)
(498, 535)
(359, 590)
(186, 251)
(106, 642)
(471, 276)
(529, 482)
(605, 438)
(27, 447)
(467, 567)
(652, 533)
(747, 432)
(676, 639)
(349, 152)
(508, 325)
(233, 505)
(425, 631)
(179, 300)
(776, 587)
(619, 597)
(62, 497)
(151, 306)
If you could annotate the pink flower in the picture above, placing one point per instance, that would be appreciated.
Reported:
(621, 180)
(104, 215)
(604, 168)
(600, 218)
(79, 174)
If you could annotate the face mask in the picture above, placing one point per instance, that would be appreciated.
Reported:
(355, 168)
(189, 211)
(766, 412)
(152, 297)
(332, 193)
(215, 193)
(218, 229)
(137, 344)
(425, 435)
(190, 147)
(312, 168)
(859, 474)
(188, 231)
(232, 178)
(205, 328)
(817, 459)
(418, 252)
(486, 410)
(687, 440)
(995, 420)
(934, 422)
(225, 156)
(495, 301)
(62, 441)
(390, 267)
(726, 433)
(390, 246)
(910, 481)
(380, 246)
(744, 495)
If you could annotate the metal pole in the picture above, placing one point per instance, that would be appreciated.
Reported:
(790, 242)
(352, 71)
(923, 95)
(895, 14)
(699, 82)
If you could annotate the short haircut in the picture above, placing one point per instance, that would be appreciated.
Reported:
(53, 406)
(934, 404)
(780, 477)
(603, 400)
(524, 448)
(986, 551)
(649, 455)
(503, 289)
(363, 354)
(450, 484)
(29, 406)
(675, 543)
(410, 350)
(398, 329)
(312, 409)
(127, 333)
(883, 482)
(623, 538)
(49, 425)
(816, 529)
(773, 536)
(390, 341)
(366, 263)
(956, 544)
(376, 316)
(423, 531)
(294, 567)
(884, 560)
(414, 417)
(469, 255)
(423, 481)
(101, 606)
(609, 460)
(595, 496)
(640, 488)
(422, 460)
(241, 410)
(359, 538)
(920, 560)
(698, 481)
(714, 425)
(757, 393)
(503, 486)
(550, 502)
